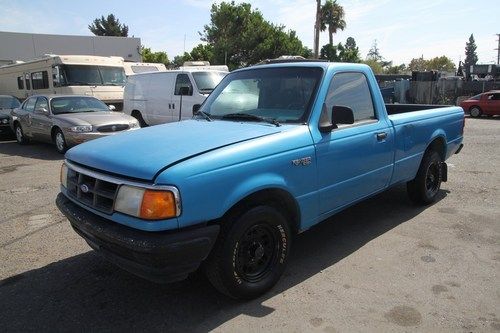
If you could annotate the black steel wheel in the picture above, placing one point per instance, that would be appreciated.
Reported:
(423, 189)
(251, 252)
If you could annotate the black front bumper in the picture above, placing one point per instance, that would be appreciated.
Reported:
(157, 256)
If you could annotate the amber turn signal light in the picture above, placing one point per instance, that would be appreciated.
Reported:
(157, 205)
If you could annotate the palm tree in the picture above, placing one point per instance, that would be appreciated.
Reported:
(332, 15)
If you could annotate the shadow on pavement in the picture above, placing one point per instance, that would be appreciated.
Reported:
(85, 293)
(43, 151)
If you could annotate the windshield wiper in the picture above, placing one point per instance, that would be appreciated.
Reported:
(248, 116)
(203, 114)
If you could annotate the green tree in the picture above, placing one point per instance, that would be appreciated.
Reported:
(158, 57)
(375, 60)
(470, 54)
(202, 52)
(418, 64)
(374, 52)
(109, 26)
(376, 66)
(348, 52)
(331, 52)
(179, 60)
(398, 69)
(240, 36)
(442, 64)
(332, 15)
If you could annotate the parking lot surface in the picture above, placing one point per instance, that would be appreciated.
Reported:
(382, 265)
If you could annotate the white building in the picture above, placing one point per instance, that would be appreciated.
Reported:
(26, 46)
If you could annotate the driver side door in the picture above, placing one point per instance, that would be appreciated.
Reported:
(41, 122)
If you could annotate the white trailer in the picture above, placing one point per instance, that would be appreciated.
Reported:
(101, 77)
(142, 67)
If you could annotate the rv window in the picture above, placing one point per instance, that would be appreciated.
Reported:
(183, 81)
(142, 69)
(40, 80)
(20, 83)
(27, 79)
(57, 77)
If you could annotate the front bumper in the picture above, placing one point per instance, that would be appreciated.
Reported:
(5, 129)
(157, 256)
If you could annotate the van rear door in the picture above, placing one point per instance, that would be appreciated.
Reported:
(159, 97)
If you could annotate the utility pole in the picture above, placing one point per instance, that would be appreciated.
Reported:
(498, 50)
(316, 29)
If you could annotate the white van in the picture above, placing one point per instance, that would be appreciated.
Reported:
(154, 98)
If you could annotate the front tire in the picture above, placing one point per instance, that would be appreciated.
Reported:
(20, 138)
(425, 187)
(60, 142)
(475, 112)
(250, 254)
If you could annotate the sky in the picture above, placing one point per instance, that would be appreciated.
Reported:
(404, 29)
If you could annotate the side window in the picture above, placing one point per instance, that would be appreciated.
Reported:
(183, 81)
(351, 90)
(20, 83)
(29, 105)
(57, 76)
(40, 80)
(27, 79)
(41, 102)
(496, 97)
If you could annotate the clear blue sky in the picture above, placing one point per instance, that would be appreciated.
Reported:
(403, 29)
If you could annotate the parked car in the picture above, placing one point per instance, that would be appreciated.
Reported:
(483, 104)
(155, 97)
(229, 188)
(7, 104)
(67, 120)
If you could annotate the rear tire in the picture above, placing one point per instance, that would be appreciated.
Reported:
(425, 187)
(20, 138)
(137, 115)
(250, 254)
(475, 112)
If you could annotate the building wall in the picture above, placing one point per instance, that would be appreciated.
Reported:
(26, 46)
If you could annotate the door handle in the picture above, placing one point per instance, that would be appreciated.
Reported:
(381, 136)
(173, 106)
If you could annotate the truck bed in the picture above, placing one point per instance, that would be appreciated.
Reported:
(403, 108)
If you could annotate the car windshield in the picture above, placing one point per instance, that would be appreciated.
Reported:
(476, 98)
(84, 75)
(282, 94)
(8, 102)
(207, 81)
(75, 104)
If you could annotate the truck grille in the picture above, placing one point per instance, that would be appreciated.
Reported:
(113, 128)
(93, 192)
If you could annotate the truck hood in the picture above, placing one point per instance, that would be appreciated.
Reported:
(143, 153)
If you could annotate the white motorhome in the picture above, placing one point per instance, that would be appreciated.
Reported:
(142, 67)
(101, 77)
(154, 98)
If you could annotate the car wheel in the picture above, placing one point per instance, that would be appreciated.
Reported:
(250, 254)
(137, 115)
(60, 142)
(475, 111)
(20, 138)
(425, 187)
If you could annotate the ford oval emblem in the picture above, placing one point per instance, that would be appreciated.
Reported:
(84, 188)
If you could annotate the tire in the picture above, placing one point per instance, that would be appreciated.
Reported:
(424, 188)
(250, 254)
(475, 112)
(60, 141)
(137, 115)
(20, 138)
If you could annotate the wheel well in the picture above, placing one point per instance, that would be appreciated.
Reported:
(53, 132)
(278, 198)
(135, 112)
(16, 122)
(439, 146)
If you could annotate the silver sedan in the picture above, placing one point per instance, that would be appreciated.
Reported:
(67, 120)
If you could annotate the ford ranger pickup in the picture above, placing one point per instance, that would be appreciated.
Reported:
(274, 150)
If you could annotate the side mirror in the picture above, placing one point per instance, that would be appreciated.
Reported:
(42, 111)
(340, 115)
(184, 91)
(111, 107)
(196, 107)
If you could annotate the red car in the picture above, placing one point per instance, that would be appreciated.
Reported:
(486, 103)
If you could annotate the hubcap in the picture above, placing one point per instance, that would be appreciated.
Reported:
(19, 134)
(432, 179)
(59, 141)
(474, 112)
(257, 252)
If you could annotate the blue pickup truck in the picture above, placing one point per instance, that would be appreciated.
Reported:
(274, 150)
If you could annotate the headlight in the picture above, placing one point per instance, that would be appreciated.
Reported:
(64, 175)
(147, 204)
(80, 129)
(5, 121)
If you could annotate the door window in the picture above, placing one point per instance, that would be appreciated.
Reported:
(29, 105)
(351, 90)
(183, 81)
(20, 83)
(41, 102)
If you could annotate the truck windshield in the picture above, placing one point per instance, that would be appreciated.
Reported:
(76, 104)
(84, 75)
(207, 81)
(8, 102)
(283, 94)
